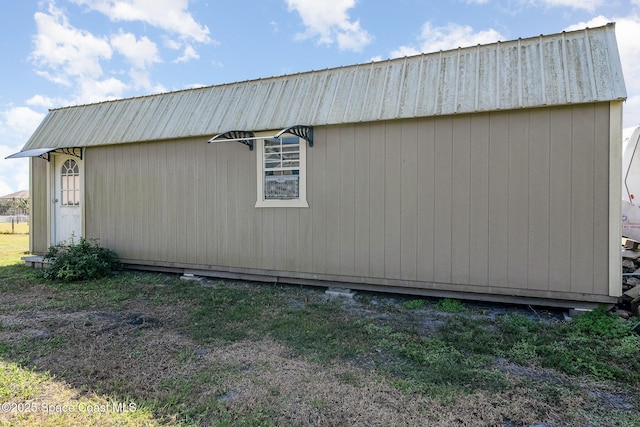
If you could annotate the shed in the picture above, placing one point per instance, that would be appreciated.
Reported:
(489, 172)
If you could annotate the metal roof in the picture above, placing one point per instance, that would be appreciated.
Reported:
(565, 68)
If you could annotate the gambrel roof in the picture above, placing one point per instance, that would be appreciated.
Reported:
(565, 68)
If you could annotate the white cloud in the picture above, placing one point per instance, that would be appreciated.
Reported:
(43, 101)
(15, 172)
(330, 22)
(172, 44)
(73, 57)
(141, 53)
(404, 51)
(188, 54)
(65, 50)
(16, 126)
(22, 121)
(168, 15)
(588, 5)
(451, 36)
(100, 90)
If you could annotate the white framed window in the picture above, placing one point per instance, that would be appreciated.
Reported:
(281, 166)
(70, 183)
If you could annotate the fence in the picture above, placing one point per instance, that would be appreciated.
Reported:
(17, 219)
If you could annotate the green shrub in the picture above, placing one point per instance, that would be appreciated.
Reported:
(84, 260)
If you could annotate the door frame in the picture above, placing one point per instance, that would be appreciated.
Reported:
(51, 194)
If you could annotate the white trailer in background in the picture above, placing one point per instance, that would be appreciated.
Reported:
(631, 183)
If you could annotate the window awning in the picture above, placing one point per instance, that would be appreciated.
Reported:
(43, 153)
(244, 136)
(301, 131)
(247, 137)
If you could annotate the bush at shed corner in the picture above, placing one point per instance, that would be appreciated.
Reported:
(84, 260)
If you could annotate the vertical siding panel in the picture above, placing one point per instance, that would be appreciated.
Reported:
(292, 216)
(409, 201)
(582, 200)
(172, 199)
(246, 199)
(362, 197)
(443, 194)
(132, 188)
(377, 200)
(257, 238)
(281, 256)
(117, 231)
(202, 184)
(160, 172)
(498, 199)
(234, 247)
(518, 208)
(560, 200)
(142, 200)
(108, 234)
(268, 254)
(318, 205)
(347, 201)
(539, 185)
(601, 202)
(98, 193)
(101, 194)
(426, 200)
(461, 198)
(183, 187)
(39, 204)
(119, 169)
(479, 201)
(392, 201)
(305, 238)
(333, 200)
(212, 207)
(151, 197)
(167, 246)
(191, 182)
(222, 203)
(89, 199)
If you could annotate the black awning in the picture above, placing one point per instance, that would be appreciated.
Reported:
(301, 131)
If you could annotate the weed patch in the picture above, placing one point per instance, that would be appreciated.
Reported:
(415, 304)
(450, 306)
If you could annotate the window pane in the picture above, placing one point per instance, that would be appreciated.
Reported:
(282, 187)
(70, 183)
(281, 160)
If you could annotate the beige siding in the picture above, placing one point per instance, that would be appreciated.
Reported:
(513, 203)
(38, 230)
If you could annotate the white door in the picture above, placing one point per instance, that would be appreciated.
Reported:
(67, 200)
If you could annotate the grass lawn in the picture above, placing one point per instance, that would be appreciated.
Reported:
(142, 349)
(13, 246)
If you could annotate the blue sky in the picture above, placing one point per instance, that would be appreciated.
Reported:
(57, 53)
